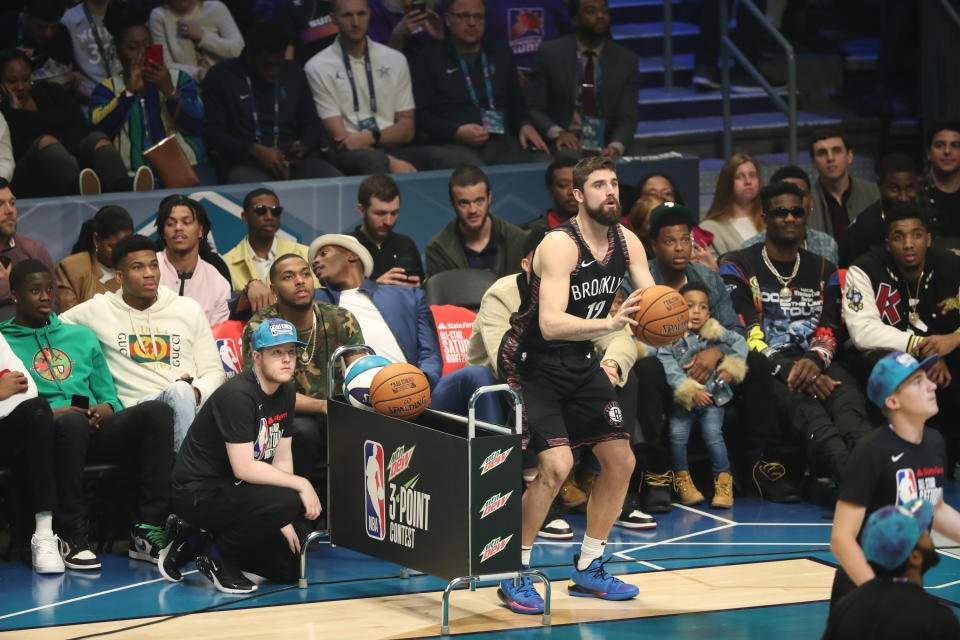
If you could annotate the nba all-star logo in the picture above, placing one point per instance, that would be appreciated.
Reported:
(52, 365)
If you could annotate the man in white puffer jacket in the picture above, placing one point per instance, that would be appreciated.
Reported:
(158, 345)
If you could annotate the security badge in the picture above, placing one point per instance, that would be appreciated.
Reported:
(492, 120)
(593, 132)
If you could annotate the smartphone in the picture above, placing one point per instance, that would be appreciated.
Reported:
(80, 401)
(418, 5)
(155, 54)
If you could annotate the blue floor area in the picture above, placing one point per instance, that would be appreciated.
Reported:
(753, 531)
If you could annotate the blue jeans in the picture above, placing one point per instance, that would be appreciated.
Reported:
(453, 392)
(711, 424)
(179, 396)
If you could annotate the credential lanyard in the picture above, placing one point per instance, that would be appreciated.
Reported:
(353, 83)
(486, 79)
(107, 62)
(596, 81)
(258, 134)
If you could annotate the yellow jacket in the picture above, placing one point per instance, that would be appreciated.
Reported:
(243, 270)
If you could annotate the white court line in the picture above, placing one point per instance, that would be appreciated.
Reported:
(945, 584)
(785, 524)
(705, 513)
(623, 554)
(650, 564)
(754, 544)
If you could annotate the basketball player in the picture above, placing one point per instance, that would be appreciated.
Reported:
(900, 463)
(234, 475)
(568, 400)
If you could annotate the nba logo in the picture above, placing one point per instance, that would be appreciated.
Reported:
(229, 356)
(906, 486)
(373, 471)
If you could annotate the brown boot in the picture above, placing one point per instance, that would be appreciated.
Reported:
(722, 491)
(571, 495)
(686, 491)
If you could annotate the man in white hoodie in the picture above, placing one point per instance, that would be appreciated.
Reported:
(158, 345)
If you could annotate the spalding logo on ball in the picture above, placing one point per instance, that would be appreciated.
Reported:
(356, 382)
(400, 390)
(662, 316)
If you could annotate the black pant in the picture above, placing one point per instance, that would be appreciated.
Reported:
(53, 170)
(309, 444)
(245, 521)
(746, 37)
(842, 585)
(140, 439)
(29, 434)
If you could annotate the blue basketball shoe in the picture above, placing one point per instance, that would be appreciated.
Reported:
(595, 582)
(520, 596)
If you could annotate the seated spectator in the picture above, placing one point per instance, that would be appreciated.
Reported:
(525, 25)
(898, 181)
(704, 402)
(582, 89)
(258, 136)
(52, 140)
(396, 259)
(158, 345)
(734, 214)
(638, 220)
(37, 31)
(15, 248)
(367, 115)
(794, 321)
(251, 259)
(405, 25)
(94, 51)
(468, 94)
(559, 179)
(7, 163)
(663, 186)
(321, 329)
(899, 549)
(475, 239)
(89, 269)
(816, 241)
(182, 226)
(310, 24)
(195, 34)
(941, 185)
(838, 197)
(147, 102)
(70, 365)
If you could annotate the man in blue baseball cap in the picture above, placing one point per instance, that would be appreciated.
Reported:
(902, 462)
(896, 542)
(233, 481)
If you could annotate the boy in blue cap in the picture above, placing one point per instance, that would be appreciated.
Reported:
(896, 542)
(900, 463)
(234, 475)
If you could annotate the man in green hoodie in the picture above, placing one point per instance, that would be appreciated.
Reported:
(71, 373)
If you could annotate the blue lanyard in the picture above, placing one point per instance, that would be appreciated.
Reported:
(20, 31)
(596, 82)
(486, 79)
(257, 133)
(107, 61)
(353, 83)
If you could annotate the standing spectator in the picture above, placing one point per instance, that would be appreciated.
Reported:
(396, 259)
(559, 179)
(147, 102)
(94, 50)
(525, 26)
(7, 163)
(52, 140)
(838, 197)
(182, 226)
(14, 248)
(406, 26)
(158, 345)
(363, 95)
(310, 24)
(89, 269)
(582, 90)
(195, 34)
(37, 32)
(259, 115)
(941, 186)
(468, 94)
(475, 239)
(734, 214)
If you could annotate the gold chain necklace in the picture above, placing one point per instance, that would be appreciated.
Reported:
(785, 293)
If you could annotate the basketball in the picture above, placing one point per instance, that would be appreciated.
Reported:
(662, 316)
(400, 390)
(356, 382)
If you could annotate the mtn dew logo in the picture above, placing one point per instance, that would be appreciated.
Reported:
(400, 460)
(494, 460)
(494, 547)
(495, 502)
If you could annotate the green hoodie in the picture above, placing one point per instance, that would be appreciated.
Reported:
(64, 359)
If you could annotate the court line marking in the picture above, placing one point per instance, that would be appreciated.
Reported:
(650, 564)
(705, 513)
(942, 586)
(754, 544)
(785, 524)
(623, 554)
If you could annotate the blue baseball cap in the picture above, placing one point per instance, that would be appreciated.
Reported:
(891, 532)
(890, 371)
(273, 332)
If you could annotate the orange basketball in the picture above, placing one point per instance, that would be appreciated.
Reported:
(662, 316)
(400, 390)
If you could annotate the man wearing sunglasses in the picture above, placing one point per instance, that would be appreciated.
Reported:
(789, 301)
(250, 260)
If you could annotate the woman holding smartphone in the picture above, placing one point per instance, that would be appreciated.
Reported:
(195, 34)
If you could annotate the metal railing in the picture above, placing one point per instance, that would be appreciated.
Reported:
(728, 48)
(668, 45)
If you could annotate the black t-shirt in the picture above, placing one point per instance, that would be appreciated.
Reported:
(238, 411)
(886, 469)
(397, 250)
(882, 609)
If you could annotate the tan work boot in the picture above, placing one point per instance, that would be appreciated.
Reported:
(685, 489)
(722, 491)
(570, 493)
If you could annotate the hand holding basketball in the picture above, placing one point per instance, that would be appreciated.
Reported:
(625, 312)
(661, 316)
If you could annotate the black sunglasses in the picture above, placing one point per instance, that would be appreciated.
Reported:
(783, 212)
(261, 210)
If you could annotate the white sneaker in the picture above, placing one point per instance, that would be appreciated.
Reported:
(45, 551)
